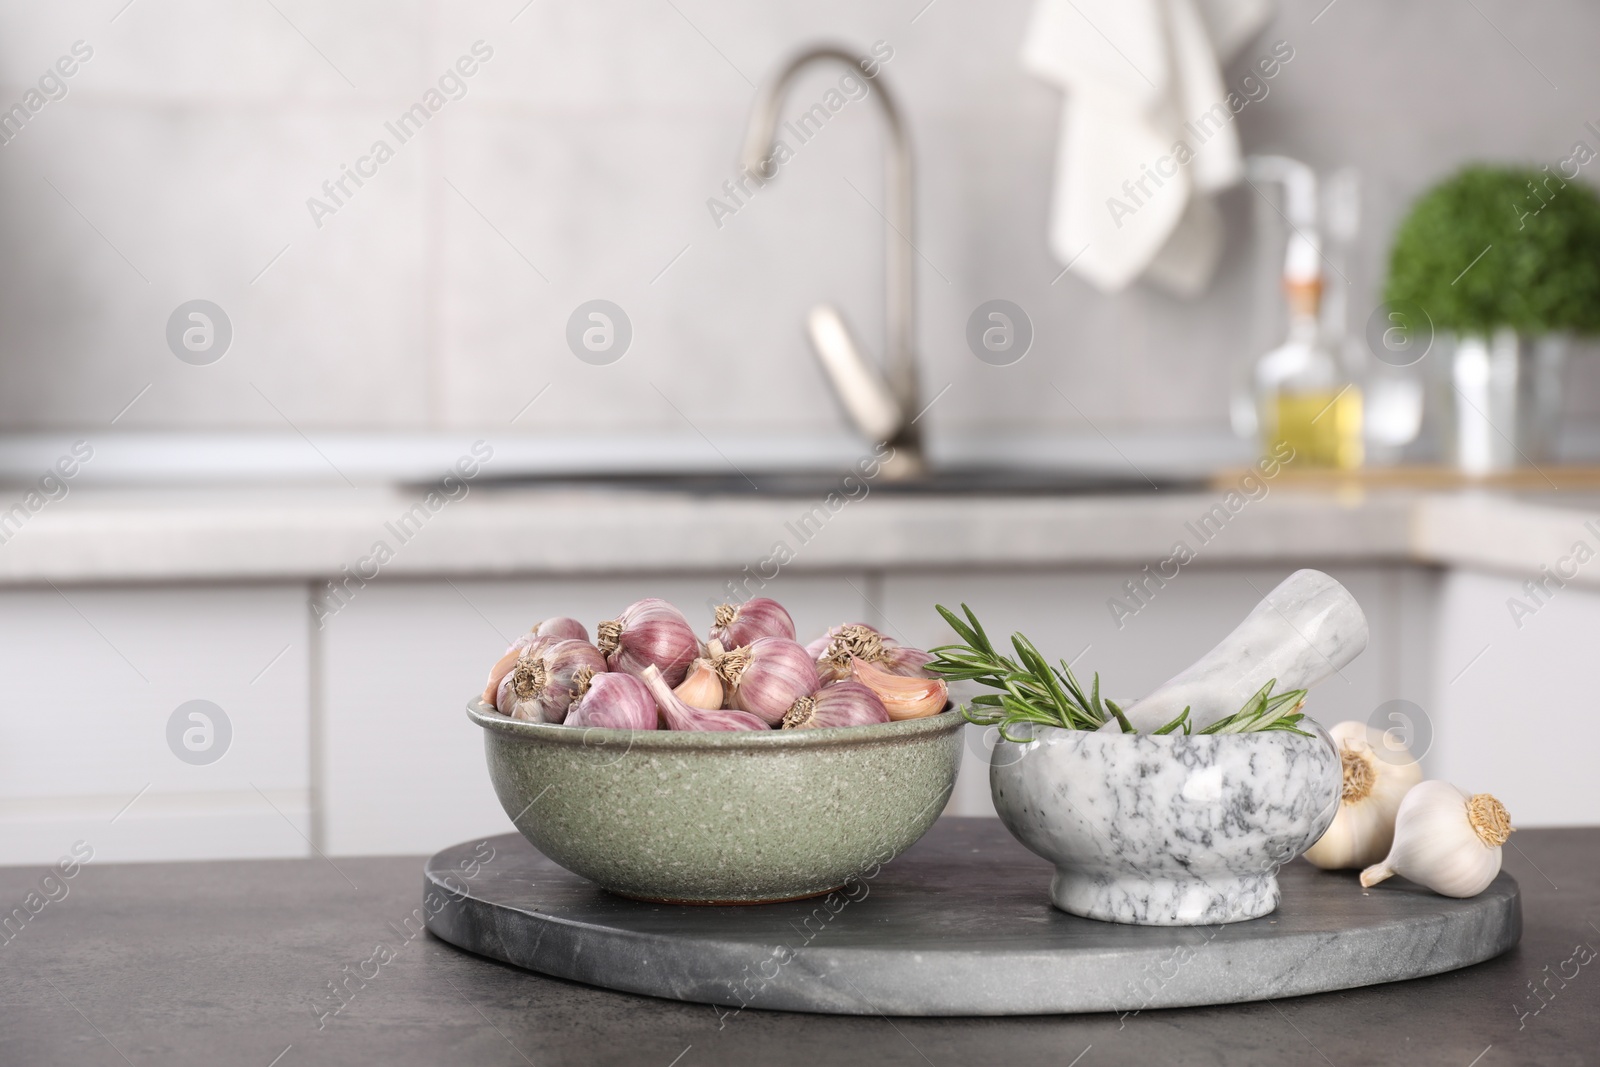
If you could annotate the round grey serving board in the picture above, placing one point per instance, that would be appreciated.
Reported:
(959, 925)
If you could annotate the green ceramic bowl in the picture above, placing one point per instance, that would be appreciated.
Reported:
(741, 817)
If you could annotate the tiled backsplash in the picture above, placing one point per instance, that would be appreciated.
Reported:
(576, 161)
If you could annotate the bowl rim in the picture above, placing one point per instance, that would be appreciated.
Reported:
(1117, 737)
(712, 740)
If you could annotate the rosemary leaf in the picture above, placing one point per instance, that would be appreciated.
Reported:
(1122, 720)
(1182, 720)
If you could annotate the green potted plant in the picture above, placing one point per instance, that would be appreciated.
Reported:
(1504, 262)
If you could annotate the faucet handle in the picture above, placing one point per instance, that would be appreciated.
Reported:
(859, 384)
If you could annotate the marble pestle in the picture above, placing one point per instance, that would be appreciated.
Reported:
(1302, 632)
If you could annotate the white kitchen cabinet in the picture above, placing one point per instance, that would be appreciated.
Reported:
(402, 768)
(1066, 615)
(94, 674)
(1513, 706)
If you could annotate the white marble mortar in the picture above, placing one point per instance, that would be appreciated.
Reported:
(1169, 830)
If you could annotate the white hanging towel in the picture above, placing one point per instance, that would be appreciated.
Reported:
(1142, 78)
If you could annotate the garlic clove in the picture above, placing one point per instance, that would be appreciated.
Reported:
(650, 632)
(614, 701)
(903, 697)
(680, 716)
(740, 624)
(505, 698)
(1445, 840)
(839, 704)
(767, 676)
(501, 668)
(701, 687)
(1376, 780)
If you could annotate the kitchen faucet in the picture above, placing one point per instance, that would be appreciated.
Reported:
(883, 404)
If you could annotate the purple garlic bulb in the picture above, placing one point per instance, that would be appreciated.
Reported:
(767, 676)
(547, 679)
(839, 704)
(835, 649)
(650, 633)
(562, 628)
(614, 701)
(742, 624)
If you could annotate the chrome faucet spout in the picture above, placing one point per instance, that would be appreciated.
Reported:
(884, 406)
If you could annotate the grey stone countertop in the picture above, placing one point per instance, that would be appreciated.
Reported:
(231, 962)
(304, 534)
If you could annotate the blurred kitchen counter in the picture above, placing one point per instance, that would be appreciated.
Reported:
(96, 535)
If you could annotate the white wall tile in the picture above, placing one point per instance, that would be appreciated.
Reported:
(592, 139)
(199, 53)
(607, 57)
(193, 204)
(727, 353)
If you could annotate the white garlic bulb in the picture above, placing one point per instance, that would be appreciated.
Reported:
(1378, 772)
(1445, 840)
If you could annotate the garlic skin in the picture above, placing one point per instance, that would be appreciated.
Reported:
(740, 624)
(839, 704)
(1445, 840)
(767, 676)
(562, 628)
(701, 687)
(911, 662)
(903, 697)
(650, 632)
(680, 716)
(614, 701)
(1375, 782)
(546, 679)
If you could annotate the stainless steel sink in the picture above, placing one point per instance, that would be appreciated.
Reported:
(950, 481)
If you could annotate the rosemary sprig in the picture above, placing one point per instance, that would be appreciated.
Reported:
(1028, 690)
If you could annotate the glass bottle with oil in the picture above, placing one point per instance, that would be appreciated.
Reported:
(1305, 399)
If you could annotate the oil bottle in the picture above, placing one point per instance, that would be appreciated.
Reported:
(1305, 398)
(1302, 395)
